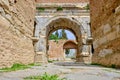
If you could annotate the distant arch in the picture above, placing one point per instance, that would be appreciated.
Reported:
(70, 44)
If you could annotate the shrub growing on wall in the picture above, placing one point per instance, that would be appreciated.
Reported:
(41, 9)
(87, 7)
(59, 9)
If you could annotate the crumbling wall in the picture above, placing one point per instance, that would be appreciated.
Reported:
(105, 26)
(61, 1)
(16, 30)
(56, 51)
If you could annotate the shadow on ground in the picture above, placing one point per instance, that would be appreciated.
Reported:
(74, 64)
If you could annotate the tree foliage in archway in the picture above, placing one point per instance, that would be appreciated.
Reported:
(53, 37)
(58, 35)
(67, 51)
(63, 34)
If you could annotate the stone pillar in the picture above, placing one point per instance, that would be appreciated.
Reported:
(40, 47)
(41, 56)
(79, 57)
(88, 55)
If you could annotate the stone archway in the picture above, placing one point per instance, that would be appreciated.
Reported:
(47, 26)
(71, 24)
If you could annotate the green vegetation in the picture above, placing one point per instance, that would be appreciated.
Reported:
(45, 76)
(53, 37)
(57, 36)
(17, 66)
(95, 64)
(41, 9)
(113, 66)
(59, 9)
(67, 51)
(87, 7)
(63, 34)
(50, 61)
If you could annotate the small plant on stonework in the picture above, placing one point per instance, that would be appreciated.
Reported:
(59, 9)
(41, 9)
(113, 66)
(87, 7)
(95, 64)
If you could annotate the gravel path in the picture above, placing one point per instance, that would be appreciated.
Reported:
(69, 70)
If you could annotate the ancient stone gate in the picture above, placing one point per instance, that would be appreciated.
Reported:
(48, 21)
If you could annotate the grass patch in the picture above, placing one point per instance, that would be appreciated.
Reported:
(45, 76)
(17, 66)
(50, 61)
(34, 64)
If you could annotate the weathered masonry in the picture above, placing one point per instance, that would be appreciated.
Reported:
(16, 30)
(56, 50)
(105, 26)
(22, 41)
(50, 17)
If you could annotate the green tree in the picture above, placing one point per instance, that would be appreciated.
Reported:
(63, 34)
(53, 37)
(57, 34)
(67, 51)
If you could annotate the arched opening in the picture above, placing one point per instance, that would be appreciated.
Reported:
(70, 49)
(56, 43)
(68, 24)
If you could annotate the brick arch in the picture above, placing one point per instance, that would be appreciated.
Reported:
(70, 44)
(63, 22)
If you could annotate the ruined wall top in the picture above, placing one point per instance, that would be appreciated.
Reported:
(61, 1)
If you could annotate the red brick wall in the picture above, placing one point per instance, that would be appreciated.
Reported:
(56, 51)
